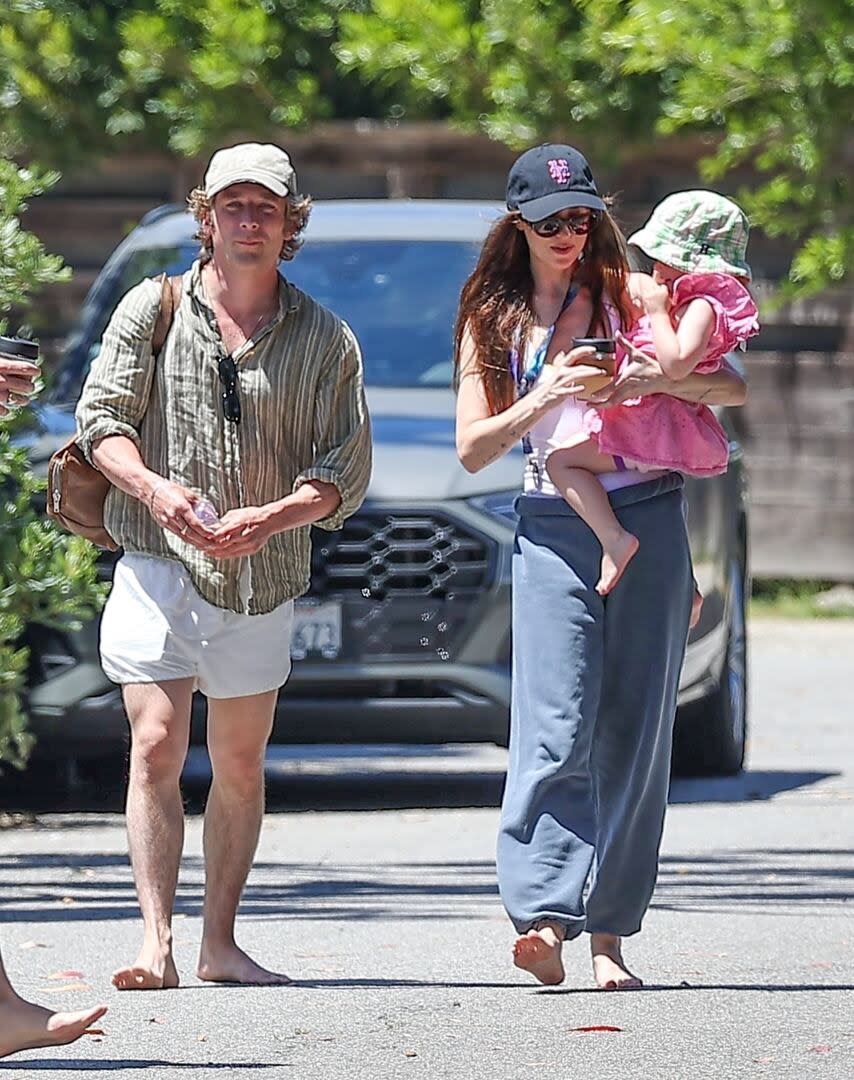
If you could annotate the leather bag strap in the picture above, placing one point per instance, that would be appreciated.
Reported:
(170, 298)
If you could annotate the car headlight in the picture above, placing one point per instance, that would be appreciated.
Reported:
(500, 504)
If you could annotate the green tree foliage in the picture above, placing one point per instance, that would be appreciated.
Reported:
(78, 79)
(774, 81)
(769, 83)
(518, 70)
(46, 578)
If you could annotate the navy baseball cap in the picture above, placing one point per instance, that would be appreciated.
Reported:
(550, 178)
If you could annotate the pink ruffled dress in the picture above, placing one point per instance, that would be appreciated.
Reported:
(659, 431)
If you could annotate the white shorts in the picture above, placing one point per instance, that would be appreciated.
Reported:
(156, 626)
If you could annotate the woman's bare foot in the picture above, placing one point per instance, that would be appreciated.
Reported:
(609, 969)
(228, 963)
(616, 556)
(24, 1026)
(154, 970)
(696, 608)
(539, 952)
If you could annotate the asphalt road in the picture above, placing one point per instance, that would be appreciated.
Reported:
(390, 920)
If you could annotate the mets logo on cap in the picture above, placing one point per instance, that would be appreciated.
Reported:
(559, 170)
(548, 179)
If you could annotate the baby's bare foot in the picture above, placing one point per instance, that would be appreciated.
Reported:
(616, 556)
(539, 952)
(609, 969)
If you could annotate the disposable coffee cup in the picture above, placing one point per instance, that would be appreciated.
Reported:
(605, 347)
(19, 348)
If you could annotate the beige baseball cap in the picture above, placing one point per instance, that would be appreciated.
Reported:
(251, 163)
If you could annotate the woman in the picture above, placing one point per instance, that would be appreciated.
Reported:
(594, 677)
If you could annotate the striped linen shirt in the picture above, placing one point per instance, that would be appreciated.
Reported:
(304, 417)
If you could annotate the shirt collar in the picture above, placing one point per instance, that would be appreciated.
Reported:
(289, 300)
(289, 297)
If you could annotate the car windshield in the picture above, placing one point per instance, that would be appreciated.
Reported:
(399, 296)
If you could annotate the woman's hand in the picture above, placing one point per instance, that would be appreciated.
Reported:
(572, 377)
(640, 376)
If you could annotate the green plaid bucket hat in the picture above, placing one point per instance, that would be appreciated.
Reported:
(698, 232)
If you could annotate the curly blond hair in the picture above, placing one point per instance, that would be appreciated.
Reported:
(297, 210)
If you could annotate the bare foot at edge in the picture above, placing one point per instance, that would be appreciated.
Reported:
(147, 974)
(615, 558)
(539, 952)
(609, 968)
(230, 964)
(24, 1026)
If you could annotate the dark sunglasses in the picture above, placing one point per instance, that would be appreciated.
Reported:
(230, 400)
(579, 224)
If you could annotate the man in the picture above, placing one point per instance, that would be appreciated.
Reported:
(256, 404)
(23, 1025)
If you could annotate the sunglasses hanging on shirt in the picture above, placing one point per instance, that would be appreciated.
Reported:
(230, 400)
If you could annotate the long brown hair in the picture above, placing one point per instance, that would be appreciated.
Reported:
(496, 303)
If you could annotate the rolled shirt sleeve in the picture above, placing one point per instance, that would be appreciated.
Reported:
(342, 433)
(115, 394)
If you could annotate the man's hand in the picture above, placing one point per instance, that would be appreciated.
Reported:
(171, 506)
(17, 382)
(242, 532)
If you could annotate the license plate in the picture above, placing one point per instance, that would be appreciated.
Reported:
(317, 630)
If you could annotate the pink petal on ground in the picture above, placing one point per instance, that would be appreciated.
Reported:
(597, 1027)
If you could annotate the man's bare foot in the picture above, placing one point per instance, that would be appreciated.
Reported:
(616, 556)
(609, 969)
(231, 965)
(24, 1026)
(539, 952)
(696, 608)
(152, 971)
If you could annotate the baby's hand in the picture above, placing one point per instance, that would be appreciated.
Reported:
(655, 298)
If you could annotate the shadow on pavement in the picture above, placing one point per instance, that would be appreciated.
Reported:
(69, 886)
(38, 888)
(117, 1064)
(789, 881)
(366, 777)
(765, 988)
(753, 785)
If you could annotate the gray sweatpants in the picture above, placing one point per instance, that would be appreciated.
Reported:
(594, 699)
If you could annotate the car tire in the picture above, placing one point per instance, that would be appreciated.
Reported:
(711, 733)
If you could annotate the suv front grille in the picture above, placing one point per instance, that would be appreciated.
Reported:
(409, 582)
(383, 554)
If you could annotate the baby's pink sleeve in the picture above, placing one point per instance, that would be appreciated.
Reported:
(736, 315)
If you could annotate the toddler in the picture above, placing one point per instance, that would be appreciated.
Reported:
(693, 310)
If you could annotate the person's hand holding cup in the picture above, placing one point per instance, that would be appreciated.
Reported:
(18, 372)
(595, 359)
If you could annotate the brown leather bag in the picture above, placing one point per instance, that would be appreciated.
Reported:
(76, 491)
